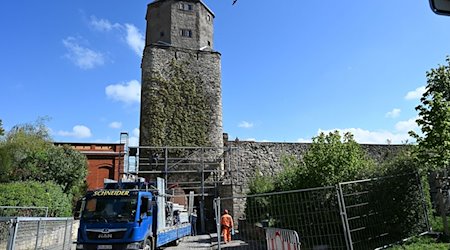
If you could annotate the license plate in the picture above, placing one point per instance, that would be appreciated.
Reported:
(104, 247)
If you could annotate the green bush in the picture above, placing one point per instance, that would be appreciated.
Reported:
(330, 159)
(259, 185)
(36, 194)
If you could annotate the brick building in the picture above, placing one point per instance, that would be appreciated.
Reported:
(105, 160)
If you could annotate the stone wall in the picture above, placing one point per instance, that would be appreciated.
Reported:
(165, 20)
(158, 23)
(206, 67)
(205, 27)
(264, 158)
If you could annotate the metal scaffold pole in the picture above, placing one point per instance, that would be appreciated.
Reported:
(202, 203)
(166, 162)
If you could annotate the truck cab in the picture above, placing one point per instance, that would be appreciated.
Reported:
(127, 219)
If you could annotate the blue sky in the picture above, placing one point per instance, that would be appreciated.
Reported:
(290, 68)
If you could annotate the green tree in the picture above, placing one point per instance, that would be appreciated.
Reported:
(261, 184)
(26, 147)
(5, 164)
(29, 154)
(331, 158)
(65, 166)
(434, 119)
(434, 122)
(2, 131)
(5, 160)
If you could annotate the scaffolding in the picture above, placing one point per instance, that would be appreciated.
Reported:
(198, 169)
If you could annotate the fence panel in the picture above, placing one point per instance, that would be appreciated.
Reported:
(383, 211)
(23, 233)
(4, 232)
(313, 213)
(363, 214)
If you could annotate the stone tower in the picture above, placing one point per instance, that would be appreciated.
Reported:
(181, 101)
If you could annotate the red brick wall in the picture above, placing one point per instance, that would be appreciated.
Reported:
(105, 160)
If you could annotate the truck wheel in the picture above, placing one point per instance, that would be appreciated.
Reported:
(148, 244)
(175, 242)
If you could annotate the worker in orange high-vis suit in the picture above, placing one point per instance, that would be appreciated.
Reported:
(226, 222)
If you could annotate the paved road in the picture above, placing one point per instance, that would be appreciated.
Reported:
(208, 241)
(204, 242)
(199, 242)
(235, 244)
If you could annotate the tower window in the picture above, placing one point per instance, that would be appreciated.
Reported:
(186, 32)
(161, 33)
(209, 43)
(208, 17)
(186, 6)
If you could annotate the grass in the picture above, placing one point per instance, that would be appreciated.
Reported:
(426, 242)
(422, 243)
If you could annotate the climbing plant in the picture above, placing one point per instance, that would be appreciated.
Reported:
(179, 112)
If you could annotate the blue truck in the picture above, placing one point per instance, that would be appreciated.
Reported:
(127, 215)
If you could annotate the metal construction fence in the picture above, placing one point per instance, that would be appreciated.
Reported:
(364, 214)
(383, 211)
(26, 233)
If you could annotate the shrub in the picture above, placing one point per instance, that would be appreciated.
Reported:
(36, 194)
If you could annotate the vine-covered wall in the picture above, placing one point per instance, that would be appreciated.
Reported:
(179, 111)
(181, 103)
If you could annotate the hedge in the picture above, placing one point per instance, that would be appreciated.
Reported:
(36, 194)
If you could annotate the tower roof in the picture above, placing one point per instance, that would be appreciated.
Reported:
(200, 1)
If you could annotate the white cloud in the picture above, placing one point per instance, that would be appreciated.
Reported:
(415, 94)
(250, 139)
(78, 131)
(103, 24)
(129, 92)
(135, 39)
(373, 137)
(408, 125)
(136, 132)
(134, 138)
(393, 113)
(303, 140)
(134, 141)
(115, 125)
(84, 58)
(132, 35)
(245, 124)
